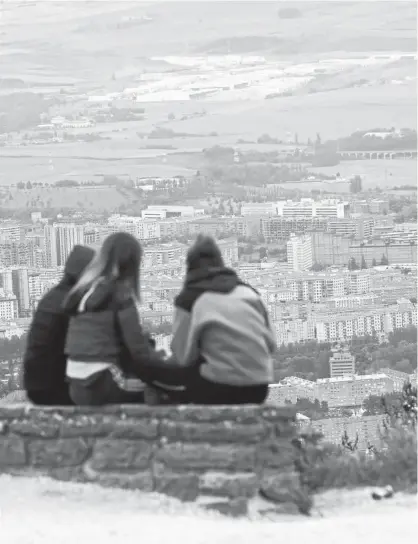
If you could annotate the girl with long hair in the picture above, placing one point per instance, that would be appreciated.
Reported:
(109, 357)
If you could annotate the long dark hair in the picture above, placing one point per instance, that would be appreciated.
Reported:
(119, 259)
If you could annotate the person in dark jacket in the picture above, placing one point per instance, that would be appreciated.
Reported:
(110, 357)
(221, 327)
(44, 362)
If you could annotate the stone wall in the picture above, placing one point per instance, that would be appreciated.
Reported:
(190, 452)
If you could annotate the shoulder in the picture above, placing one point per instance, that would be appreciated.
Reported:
(52, 301)
(123, 297)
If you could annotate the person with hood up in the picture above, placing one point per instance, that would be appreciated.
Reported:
(45, 362)
(110, 357)
(221, 328)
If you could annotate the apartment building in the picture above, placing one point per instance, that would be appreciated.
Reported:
(20, 281)
(166, 212)
(343, 326)
(290, 390)
(259, 208)
(229, 250)
(357, 282)
(352, 390)
(352, 301)
(360, 228)
(398, 252)
(330, 249)
(143, 229)
(299, 253)
(307, 208)
(163, 254)
(274, 295)
(314, 287)
(367, 428)
(290, 331)
(280, 228)
(171, 228)
(6, 281)
(398, 378)
(342, 363)
(379, 206)
(10, 230)
(8, 306)
(60, 239)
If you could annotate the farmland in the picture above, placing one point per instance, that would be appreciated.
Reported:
(61, 47)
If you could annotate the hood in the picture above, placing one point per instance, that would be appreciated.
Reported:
(215, 280)
(99, 298)
(77, 261)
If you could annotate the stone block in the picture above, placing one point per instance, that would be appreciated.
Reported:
(141, 481)
(65, 452)
(281, 487)
(12, 412)
(117, 454)
(237, 484)
(202, 456)
(92, 425)
(41, 428)
(67, 474)
(12, 452)
(212, 414)
(222, 432)
(184, 487)
(278, 414)
(142, 429)
(234, 508)
(285, 429)
(276, 453)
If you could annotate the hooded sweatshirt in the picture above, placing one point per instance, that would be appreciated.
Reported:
(44, 362)
(222, 325)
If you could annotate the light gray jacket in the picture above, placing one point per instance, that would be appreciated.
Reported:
(231, 332)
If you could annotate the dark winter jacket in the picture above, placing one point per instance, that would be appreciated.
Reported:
(44, 362)
(107, 330)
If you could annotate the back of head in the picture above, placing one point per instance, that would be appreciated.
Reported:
(118, 260)
(76, 263)
(204, 254)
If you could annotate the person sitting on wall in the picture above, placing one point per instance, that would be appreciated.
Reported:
(222, 329)
(44, 362)
(110, 357)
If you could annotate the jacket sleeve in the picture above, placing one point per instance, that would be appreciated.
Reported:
(147, 363)
(185, 343)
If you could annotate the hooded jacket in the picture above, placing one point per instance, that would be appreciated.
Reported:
(105, 332)
(44, 362)
(222, 325)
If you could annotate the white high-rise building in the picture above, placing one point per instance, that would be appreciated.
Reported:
(8, 306)
(69, 235)
(51, 252)
(299, 253)
(66, 236)
(20, 279)
(6, 280)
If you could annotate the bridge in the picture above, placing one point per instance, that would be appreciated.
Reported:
(377, 155)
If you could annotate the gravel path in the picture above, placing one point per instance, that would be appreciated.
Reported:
(43, 511)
